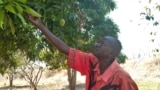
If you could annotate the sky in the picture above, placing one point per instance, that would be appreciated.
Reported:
(134, 30)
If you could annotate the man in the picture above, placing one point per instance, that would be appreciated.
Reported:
(100, 67)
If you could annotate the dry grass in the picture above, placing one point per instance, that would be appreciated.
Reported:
(146, 73)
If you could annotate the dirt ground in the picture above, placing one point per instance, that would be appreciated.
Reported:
(146, 70)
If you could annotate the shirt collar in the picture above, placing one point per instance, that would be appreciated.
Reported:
(108, 72)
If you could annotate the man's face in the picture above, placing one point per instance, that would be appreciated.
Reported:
(103, 48)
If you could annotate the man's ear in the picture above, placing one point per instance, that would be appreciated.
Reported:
(112, 55)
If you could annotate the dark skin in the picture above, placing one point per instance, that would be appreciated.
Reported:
(106, 52)
(103, 50)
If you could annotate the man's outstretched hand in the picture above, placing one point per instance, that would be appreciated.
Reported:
(34, 20)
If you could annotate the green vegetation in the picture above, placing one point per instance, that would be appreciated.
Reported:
(77, 22)
(148, 85)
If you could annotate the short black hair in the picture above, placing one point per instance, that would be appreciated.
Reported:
(115, 45)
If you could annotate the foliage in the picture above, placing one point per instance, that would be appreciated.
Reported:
(122, 58)
(149, 11)
(151, 18)
(13, 7)
(13, 36)
(32, 73)
(78, 22)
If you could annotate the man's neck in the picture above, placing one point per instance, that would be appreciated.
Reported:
(104, 64)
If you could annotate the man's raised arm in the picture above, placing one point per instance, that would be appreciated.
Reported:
(58, 43)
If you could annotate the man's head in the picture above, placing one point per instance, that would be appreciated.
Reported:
(108, 47)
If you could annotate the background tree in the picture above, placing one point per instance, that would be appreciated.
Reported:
(12, 71)
(12, 32)
(150, 18)
(77, 22)
(32, 73)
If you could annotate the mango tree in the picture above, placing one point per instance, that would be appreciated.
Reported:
(77, 22)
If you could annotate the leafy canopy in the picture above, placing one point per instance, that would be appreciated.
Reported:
(77, 22)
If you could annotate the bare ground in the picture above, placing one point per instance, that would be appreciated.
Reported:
(140, 70)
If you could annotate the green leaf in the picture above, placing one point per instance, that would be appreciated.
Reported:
(21, 18)
(57, 7)
(22, 1)
(11, 25)
(1, 17)
(19, 8)
(32, 12)
(10, 8)
(1, 2)
(158, 7)
(5, 21)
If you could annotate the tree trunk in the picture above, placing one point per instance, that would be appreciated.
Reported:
(10, 80)
(72, 79)
(32, 86)
(35, 87)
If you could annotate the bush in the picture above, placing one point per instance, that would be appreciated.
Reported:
(121, 58)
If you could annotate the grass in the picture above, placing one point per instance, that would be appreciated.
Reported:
(148, 85)
(147, 71)
(142, 85)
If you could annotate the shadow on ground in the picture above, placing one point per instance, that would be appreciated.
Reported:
(26, 87)
(78, 87)
(17, 87)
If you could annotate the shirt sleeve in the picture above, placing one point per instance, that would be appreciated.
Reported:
(79, 60)
(126, 83)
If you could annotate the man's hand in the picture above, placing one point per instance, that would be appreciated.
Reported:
(34, 20)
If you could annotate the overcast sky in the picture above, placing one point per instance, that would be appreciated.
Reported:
(134, 32)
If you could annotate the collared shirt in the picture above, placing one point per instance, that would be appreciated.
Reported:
(114, 78)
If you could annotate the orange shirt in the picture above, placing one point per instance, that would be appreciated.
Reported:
(114, 78)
